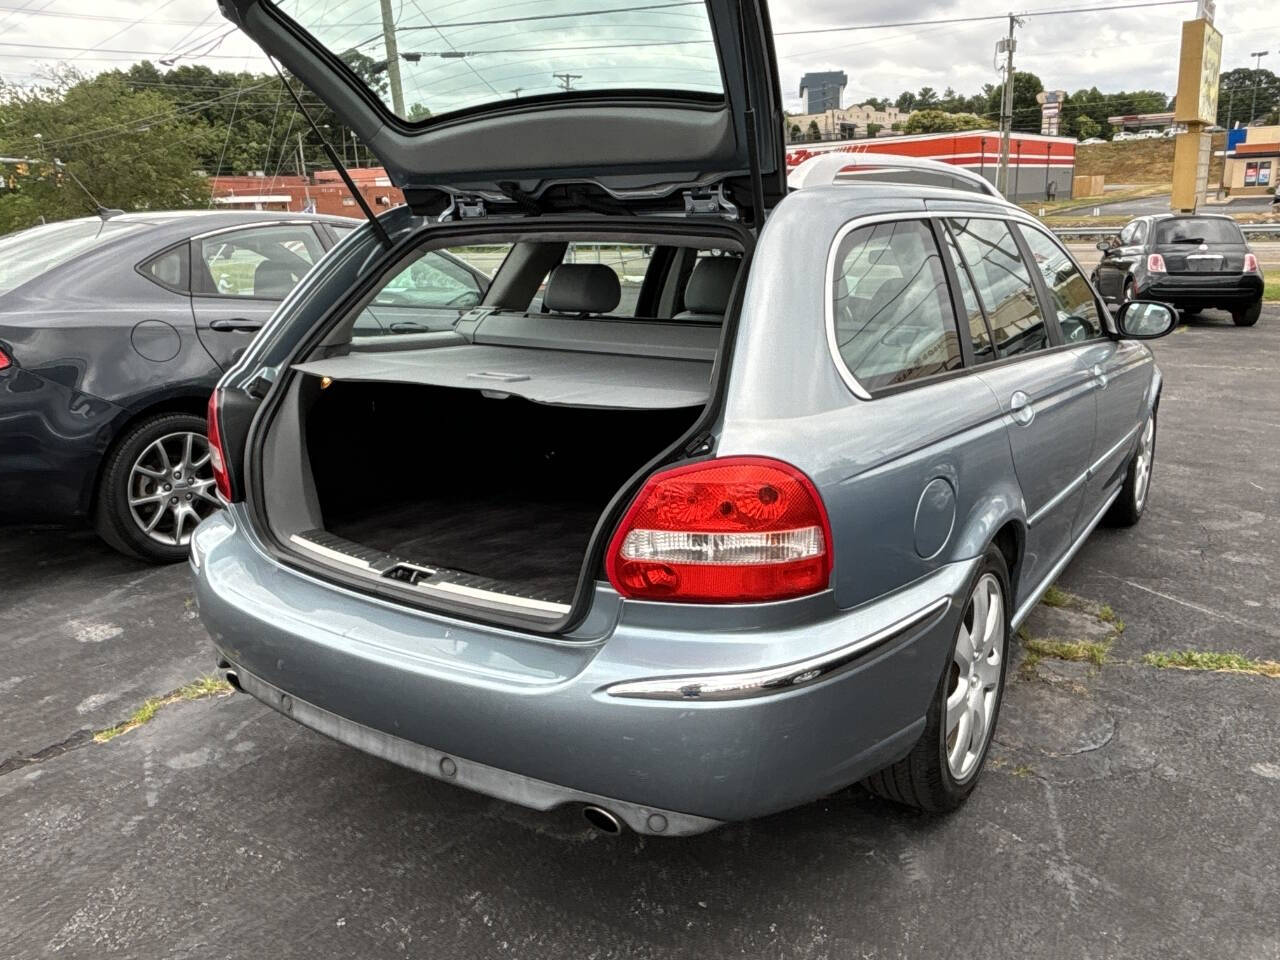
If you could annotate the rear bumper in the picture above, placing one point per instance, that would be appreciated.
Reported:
(1203, 290)
(543, 722)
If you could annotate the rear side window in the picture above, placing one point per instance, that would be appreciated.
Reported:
(893, 318)
(169, 269)
(1004, 285)
(1197, 230)
(1072, 298)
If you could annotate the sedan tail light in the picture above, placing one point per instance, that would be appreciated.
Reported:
(1155, 263)
(217, 455)
(1250, 263)
(733, 530)
(6, 361)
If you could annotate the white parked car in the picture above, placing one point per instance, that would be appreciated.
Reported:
(1091, 141)
(1124, 135)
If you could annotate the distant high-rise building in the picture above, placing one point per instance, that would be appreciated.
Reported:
(823, 91)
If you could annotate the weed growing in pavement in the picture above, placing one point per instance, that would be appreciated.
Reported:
(199, 690)
(1212, 661)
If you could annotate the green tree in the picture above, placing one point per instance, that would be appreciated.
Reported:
(906, 100)
(127, 147)
(926, 98)
(874, 128)
(1235, 95)
(939, 121)
(1026, 111)
(1086, 127)
(418, 111)
(814, 132)
(795, 132)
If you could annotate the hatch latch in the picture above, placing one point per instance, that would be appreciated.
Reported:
(709, 202)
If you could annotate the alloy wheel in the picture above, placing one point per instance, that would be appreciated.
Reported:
(1142, 465)
(171, 487)
(974, 687)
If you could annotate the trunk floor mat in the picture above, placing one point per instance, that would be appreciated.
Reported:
(534, 548)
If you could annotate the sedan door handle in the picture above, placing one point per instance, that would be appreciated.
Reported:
(1020, 408)
(235, 323)
(1099, 376)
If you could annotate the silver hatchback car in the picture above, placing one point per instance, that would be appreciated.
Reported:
(721, 495)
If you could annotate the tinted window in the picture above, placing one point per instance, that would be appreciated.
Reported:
(978, 333)
(1072, 299)
(1198, 230)
(893, 317)
(456, 54)
(431, 281)
(1004, 285)
(261, 262)
(28, 253)
(169, 268)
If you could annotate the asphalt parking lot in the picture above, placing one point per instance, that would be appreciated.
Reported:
(1129, 810)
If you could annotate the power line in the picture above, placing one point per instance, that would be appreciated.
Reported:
(976, 19)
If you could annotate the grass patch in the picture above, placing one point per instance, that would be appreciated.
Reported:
(1056, 597)
(1217, 662)
(199, 690)
(1271, 290)
(1077, 651)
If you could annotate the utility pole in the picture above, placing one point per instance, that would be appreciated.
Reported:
(1231, 104)
(1006, 46)
(393, 58)
(566, 79)
(1257, 72)
(515, 92)
(302, 171)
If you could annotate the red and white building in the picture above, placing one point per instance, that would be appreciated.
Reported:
(1040, 167)
(324, 192)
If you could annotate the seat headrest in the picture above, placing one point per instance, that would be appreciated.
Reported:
(274, 279)
(709, 284)
(582, 288)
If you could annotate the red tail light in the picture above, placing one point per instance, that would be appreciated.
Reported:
(1250, 263)
(217, 456)
(1155, 263)
(5, 361)
(734, 530)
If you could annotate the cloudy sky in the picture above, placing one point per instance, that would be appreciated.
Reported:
(1118, 49)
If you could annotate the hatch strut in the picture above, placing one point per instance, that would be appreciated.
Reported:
(749, 116)
(383, 237)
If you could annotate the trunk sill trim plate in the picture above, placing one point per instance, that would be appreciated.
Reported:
(541, 608)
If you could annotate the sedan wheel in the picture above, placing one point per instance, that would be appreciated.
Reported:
(171, 488)
(976, 670)
(1142, 463)
(157, 485)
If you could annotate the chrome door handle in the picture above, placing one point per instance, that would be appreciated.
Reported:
(1020, 408)
(1099, 376)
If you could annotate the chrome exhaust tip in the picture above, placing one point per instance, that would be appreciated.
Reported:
(602, 820)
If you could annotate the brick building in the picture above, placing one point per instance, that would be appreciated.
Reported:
(324, 192)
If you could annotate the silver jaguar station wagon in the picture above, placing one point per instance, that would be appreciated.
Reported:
(721, 494)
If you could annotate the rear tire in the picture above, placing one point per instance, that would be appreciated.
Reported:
(944, 766)
(1128, 508)
(1247, 316)
(159, 474)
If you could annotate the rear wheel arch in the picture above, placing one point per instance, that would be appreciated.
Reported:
(1010, 540)
(193, 403)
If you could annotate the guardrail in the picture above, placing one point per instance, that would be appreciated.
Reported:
(1264, 230)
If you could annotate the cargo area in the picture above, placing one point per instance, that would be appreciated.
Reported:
(491, 490)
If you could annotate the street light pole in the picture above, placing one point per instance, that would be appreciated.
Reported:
(1257, 72)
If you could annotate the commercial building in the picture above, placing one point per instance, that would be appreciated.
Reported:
(1040, 167)
(844, 123)
(1252, 161)
(323, 192)
(823, 91)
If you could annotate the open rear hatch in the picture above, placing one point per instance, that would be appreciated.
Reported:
(555, 105)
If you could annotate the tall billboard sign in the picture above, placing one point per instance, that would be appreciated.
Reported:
(1197, 108)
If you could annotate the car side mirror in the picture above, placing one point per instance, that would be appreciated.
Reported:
(1106, 246)
(1145, 319)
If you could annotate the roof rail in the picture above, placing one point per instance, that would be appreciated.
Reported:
(825, 168)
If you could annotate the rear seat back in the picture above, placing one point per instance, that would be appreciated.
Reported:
(582, 289)
(706, 295)
(641, 338)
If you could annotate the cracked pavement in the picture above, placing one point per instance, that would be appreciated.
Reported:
(1126, 811)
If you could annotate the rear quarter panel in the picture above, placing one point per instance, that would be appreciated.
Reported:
(870, 459)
